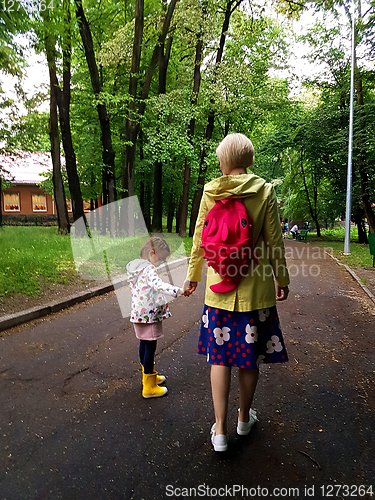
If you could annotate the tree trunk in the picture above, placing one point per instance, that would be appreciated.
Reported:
(183, 209)
(108, 153)
(313, 213)
(64, 114)
(144, 200)
(157, 219)
(131, 119)
(361, 157)
(358, 219)
(132, 123)
(58, 185)
(211, 120)
(171, 208)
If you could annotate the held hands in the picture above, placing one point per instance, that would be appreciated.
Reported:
(189, 287)
(282, 293)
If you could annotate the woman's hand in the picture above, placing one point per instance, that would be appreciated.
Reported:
(191, 288)
(282, 292)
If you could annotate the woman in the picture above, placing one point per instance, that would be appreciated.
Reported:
(240, 328)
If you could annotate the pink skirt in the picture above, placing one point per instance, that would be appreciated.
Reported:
(149, 331)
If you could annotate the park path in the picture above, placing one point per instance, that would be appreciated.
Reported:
(73, 424)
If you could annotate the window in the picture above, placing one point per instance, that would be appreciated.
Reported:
(86, 205)
(11, 202)
(39, 202)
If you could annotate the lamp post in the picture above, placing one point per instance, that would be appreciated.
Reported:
(290, 175)
(350, 151)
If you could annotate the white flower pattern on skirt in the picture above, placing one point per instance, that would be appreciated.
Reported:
(205, 319)
(240, 339)
(252, 334)
(221, 335)
(274, 345)
(263, 314)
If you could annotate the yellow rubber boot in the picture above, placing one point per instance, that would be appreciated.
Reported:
(151, 388)
(159, 378)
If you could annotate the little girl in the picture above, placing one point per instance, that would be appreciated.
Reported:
(149, 308)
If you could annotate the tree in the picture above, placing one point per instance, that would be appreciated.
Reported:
(60, 200)
(132, 122)
(109, 184)
(231, 6)
(183, 208)
(64, 116)
(363, 158)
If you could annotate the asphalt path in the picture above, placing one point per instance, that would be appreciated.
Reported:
(73, 423)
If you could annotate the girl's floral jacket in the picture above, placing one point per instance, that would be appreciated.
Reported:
(149, 305)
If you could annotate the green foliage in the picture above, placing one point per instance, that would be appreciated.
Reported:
(30, 132)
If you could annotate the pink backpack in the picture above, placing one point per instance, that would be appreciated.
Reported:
(227, 240)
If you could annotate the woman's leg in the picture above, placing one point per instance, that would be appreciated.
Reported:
(247, 380)
(220, 385)
(149, 355)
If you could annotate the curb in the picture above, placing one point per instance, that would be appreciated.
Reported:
(356, 277)
(12, 320)
(16, 319)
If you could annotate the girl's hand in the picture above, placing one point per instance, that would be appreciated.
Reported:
(185, 285)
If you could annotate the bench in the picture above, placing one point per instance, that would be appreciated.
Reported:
(302, 235)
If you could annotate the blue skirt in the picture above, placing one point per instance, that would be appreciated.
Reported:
(242, 339)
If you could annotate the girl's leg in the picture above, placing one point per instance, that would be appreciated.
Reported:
(220, 385)
(149, 355)
(142, 347)
(247, 384)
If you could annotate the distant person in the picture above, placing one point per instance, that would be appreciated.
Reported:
(149, 308)
(294, 231)
(240, 328)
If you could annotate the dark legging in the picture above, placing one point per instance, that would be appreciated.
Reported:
(147, 350)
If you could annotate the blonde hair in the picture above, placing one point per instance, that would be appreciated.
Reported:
(234, 151)
(157, 244)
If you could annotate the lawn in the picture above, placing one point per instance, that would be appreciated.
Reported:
(334, 238)
(33, 256)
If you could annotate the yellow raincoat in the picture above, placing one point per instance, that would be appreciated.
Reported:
(257, 289)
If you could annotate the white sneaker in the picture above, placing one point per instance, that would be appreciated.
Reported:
(243, 428)
(219, 441)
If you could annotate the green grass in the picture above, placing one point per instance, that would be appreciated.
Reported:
(33, 256)
(334, 238)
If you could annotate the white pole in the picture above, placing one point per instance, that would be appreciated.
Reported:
(350, 152)
(290, 175)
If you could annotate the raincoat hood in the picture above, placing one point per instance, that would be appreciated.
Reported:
(135, 267)
(240, 186)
